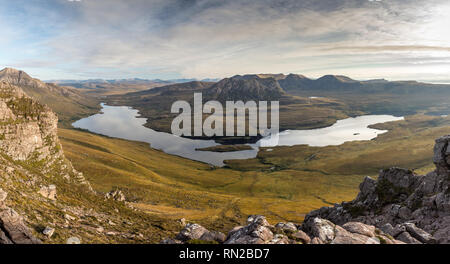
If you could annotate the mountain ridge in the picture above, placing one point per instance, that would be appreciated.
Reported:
(64, 101)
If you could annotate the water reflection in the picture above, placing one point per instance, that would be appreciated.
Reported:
(123, 122)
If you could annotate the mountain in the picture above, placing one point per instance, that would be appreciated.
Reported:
(295, 81)
(100, 88)
(68, 103)
(177, 88)
(295, 111)
(249, 88)
(43, 198)
(278, 76)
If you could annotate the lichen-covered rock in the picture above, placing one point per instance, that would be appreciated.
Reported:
(325, 232)
(257, 231)
(287, 227)
(197, 232)
(301, 237)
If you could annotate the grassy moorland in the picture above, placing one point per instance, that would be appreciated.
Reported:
(283, 184)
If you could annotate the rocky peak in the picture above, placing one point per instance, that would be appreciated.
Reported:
(237, 88)
(335, 78)
(18, 77)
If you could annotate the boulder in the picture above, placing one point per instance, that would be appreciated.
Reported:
(419, 234)
(258, 231)
(301, 236)
(407, 238)
(48, 192)
(198, 232)
(360, 228)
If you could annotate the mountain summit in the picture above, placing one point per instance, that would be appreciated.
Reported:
(248, 88)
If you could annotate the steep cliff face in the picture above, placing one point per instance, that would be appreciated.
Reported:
(27, 128)
(402, 203)
(43, 199)
(31, 161)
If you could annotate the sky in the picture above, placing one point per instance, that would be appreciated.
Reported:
(170, 39)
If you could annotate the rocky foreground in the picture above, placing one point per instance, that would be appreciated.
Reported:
(397, 208)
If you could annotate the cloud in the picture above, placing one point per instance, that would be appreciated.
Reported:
(215, 38)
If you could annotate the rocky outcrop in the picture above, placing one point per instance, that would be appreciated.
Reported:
(399, 207)
(318, 231)
(116, 195)
(28, 131)
(12, 227)
(410, 207)
(32, 163)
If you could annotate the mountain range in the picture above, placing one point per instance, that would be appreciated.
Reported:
(70, 186)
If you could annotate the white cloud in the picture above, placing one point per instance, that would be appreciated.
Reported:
(221, 38)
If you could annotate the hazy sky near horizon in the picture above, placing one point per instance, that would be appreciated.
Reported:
(168, 39)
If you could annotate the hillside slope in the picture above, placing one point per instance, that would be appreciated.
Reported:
(68, 103)
(42, 197)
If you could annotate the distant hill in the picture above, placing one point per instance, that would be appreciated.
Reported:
(69, 103)
(295, 81)
(295, 112)
(374, 96)
(251, 88)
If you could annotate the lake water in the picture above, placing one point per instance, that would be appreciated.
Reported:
(124, 122)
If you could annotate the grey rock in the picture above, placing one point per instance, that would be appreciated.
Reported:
(286, 227)
(256, 232)
(191, 232)
(360, 228)
(407, 238)
(419, 234)
(400, 196)
(301, 236)
(48, 231)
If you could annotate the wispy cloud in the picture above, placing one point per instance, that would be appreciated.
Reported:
(215, 38)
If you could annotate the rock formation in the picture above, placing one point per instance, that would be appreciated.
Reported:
(407, 206)
(12, 227)
(259, 231)
(30, 149)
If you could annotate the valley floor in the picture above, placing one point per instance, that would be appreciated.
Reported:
(283, 184)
